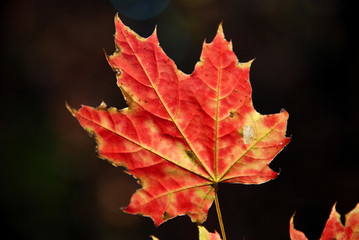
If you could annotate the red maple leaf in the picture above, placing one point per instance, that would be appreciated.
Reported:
(183, 134)
(334, 229)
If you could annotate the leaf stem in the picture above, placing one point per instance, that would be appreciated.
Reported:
(219, 215)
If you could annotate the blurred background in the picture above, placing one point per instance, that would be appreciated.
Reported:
(54, 187)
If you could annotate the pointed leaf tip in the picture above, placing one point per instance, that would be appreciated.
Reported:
(102, 106)
(220, 27)
(247, 64)
(352, 224)
(295, 234)
(71, 110)
(333, 228)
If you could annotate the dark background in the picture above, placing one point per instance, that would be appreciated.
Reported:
(54, 187)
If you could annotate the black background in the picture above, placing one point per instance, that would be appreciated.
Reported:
(54, 187)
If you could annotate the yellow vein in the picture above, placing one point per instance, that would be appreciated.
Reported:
(174, 192)
(217, 117)
(244, 153)
(248, 175)
(206, 197)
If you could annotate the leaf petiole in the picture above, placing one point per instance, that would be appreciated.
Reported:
(219, 215)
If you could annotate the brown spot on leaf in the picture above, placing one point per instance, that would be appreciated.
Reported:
(191, 156)
(166, 216)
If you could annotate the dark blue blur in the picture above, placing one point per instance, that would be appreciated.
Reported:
(140, 9)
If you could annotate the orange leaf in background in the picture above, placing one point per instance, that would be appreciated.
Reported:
(295, 234)
(334, 229)
(203, 235)
(183, 134)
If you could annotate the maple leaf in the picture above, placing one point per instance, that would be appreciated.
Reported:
(334, 229)
(183, 134)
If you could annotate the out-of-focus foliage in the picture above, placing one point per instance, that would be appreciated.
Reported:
(334, 229)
